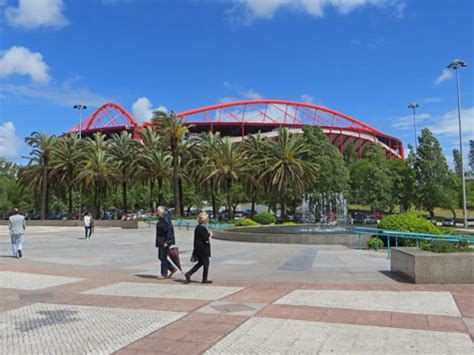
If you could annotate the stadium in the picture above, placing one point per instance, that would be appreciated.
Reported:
(241, 118)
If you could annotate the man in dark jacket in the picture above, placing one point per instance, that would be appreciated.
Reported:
(164, 239)
(202, 249)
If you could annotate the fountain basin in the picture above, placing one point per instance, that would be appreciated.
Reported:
(295, 234)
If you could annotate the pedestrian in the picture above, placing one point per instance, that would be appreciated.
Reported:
(17, 226)
(164, 239)
(88, 225)
(202, 249)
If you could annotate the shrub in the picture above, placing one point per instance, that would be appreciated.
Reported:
(375, 243)
(264, 218)
(246, 222)
(288, 224)
(441, 246)
(408, 222)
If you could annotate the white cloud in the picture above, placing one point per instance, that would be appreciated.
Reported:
(406, 122)
(241, 93)
(448, 124)
(142, 110)
(447, 74)
(64, 95)
(307, 98)
(20, 60)
(246, 11)
(430, 100)
(37, 13)
(10, 143)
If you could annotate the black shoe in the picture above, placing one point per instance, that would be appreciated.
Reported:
(188, 278)
(206, 281)
(19, 253)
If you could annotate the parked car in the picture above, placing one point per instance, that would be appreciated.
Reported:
(370, 219)
(432, 220)
(470, 222)
(448, 222)
(358, 218)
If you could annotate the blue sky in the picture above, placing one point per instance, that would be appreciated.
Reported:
(366, 58)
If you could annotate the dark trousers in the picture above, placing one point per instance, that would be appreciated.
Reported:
(203, 260)
(165, 264)
(88, 231)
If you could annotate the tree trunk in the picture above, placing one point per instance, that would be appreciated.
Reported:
(229, 200)
(177, 207)
(282, 207)
(96, 202)
(181, 197)
(254, 198)
(160, 192)
(44, 191)
(213, 198)
(69, 197)
(124, 196)
(150, 194)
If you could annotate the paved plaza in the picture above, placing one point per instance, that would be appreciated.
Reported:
(68, 295)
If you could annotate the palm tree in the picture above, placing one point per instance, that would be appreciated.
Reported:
(42, 144)
(173, 131)
(123, 148)
(286, 167)
(229, 166)
(67, 154)
(203, 161)
(256, 148)
(98, 170)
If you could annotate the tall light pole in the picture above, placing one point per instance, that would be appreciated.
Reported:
(414, 106)
(80, 108)
(456, 65)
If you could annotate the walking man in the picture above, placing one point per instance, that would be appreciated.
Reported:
(164, 239)
(17, 226)
(202, 249)
(88, 225)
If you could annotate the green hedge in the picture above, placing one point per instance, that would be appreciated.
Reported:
(375, 243)
(408, 222)
(246, 222)
(441, 246)
(264, 218)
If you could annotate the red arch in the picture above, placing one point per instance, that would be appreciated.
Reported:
(110, 116)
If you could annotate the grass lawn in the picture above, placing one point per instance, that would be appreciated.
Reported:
(439, 212)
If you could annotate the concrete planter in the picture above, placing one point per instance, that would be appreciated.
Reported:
(77, 223)
(426, 267)
(270, 235)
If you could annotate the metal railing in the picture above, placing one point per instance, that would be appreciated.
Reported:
(407, 235)
(189, 224)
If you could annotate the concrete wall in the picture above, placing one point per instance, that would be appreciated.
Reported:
(248, 235)
(425, 267)
(76, 223)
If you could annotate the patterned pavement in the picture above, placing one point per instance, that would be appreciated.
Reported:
(95, 306)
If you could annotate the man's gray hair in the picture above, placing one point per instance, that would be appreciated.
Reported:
(161, 209)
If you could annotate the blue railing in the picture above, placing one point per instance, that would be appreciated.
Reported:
(407, 235)
(189, 224)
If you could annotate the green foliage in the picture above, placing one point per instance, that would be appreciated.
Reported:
(408, 222)
(432, 173)
(374, 243)
(288, 224)
(264, 218)
(441, 246)
(246, 222)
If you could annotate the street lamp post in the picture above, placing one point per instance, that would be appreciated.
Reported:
(80, 108)
(414, 106)
(456, 65)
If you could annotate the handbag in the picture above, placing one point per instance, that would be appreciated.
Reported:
(193, 258)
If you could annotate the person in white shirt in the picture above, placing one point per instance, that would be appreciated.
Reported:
(17, 226)
(88, 225)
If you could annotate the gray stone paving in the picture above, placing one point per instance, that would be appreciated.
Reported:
(232, 308)
(417, 302)
(68, 329)
(191, 292)
(134, 250)
(280, 336)
(28, 281)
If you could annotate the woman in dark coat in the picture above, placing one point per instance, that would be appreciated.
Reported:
(202, 249)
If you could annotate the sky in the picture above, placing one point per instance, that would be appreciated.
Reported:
(365, 58)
